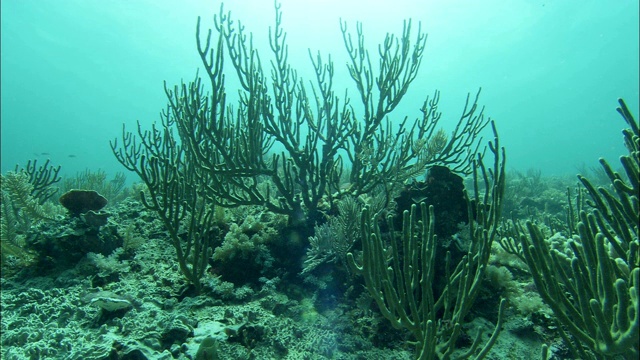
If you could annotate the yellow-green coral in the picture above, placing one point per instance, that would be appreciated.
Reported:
(593, 288)
(19, 210)
(17, 190)
(12, 242)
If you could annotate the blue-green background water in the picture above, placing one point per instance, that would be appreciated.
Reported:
(73, 71)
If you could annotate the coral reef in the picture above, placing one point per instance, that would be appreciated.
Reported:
(335, 246)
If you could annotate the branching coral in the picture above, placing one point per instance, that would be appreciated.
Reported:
(208, 153)
(334, 239)
(41, 178)
(401, 277)
(20, 208)
(594, 290)
(318, 134)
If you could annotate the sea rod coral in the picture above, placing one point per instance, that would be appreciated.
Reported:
(209, 153)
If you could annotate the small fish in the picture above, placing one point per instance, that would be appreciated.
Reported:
(72, 156)
(45, 154)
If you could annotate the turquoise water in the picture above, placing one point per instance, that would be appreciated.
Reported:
(73, 71)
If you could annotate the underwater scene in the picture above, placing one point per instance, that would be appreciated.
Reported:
(308, 179)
